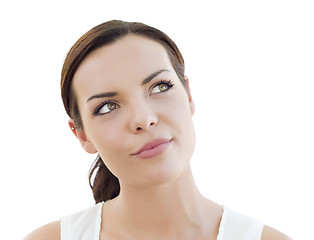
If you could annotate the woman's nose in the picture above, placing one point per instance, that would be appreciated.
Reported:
(142, 118)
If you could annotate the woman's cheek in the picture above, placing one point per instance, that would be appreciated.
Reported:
(177, 109)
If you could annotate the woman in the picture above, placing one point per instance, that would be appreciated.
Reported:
(124, 88)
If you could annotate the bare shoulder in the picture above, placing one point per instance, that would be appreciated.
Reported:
(50, 231)
(273, 234)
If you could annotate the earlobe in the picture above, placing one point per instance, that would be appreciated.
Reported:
(81, 136)
(72, 126)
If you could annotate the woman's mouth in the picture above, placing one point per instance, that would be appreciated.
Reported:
(153, 148)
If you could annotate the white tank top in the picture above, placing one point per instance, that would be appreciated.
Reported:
(85, 225)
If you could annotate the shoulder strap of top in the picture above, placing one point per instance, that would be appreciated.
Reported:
(84, 225)
(234, 226)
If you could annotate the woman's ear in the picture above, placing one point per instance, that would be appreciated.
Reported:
(192, 104)
(81, 136)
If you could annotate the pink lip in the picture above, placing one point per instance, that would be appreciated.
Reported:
(153, 148)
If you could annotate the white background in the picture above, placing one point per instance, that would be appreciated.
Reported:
(251, 71)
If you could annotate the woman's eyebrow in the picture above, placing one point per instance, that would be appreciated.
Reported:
(103, 95)
(152, 76)
(112, 94)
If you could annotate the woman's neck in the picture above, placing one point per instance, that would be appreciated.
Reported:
(175, 210)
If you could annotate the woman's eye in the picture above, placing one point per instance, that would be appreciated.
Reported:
(162, 87)
(106, 108)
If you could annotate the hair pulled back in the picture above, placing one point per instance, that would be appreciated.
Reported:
(105, 185)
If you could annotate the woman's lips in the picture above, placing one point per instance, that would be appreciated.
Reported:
(154, 148)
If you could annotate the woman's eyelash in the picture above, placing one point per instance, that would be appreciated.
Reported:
(111, 108)
(159, 87)
(163, 86)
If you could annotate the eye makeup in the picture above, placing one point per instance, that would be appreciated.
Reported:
(106, 107)
(161, 86)
(109, 105)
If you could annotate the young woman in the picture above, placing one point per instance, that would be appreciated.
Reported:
(124, 88)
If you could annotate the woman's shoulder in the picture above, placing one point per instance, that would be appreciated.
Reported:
(86, 220)
(50, 231)
(236, 224)
(273, 234)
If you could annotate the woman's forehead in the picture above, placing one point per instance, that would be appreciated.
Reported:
(129, 48)
(132, 57)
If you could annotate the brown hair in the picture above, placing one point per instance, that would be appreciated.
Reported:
(105, 185)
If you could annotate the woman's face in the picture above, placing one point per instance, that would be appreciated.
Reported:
(135, 111)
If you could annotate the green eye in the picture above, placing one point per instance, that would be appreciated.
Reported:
(111, 106)
(105, 108)
(162, 86)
